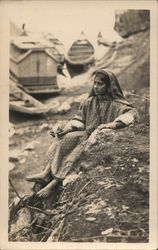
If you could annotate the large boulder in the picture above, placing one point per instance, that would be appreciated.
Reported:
(128, 22)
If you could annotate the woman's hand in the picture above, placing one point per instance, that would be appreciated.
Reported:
(110, 125)
(55, 131)
(62, 132)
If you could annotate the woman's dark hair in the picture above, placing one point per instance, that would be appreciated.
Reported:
(103, 77)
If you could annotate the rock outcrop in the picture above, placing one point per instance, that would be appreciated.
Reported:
(130, 58)
(128, 22)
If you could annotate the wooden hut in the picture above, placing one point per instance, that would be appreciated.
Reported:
(33, 64)
(80, 56)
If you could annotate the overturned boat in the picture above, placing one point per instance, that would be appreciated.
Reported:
(104, 42)
(80, 56)
(22, 102)
(33, 64)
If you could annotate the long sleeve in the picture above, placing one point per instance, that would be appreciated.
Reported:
(79, 120)
(127, 115)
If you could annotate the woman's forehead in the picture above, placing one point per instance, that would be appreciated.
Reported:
(99, 81)
(100, 74)
(102, 78)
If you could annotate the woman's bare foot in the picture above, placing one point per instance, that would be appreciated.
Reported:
(41, 177)
(45, 192)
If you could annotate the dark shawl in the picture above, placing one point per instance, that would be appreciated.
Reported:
(95, 110)
(114, 89)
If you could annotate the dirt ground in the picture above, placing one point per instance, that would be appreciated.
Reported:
(114, 205)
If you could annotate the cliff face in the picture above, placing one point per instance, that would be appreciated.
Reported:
(130, 58)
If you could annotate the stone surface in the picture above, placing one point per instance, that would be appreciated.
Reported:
(108, 231)
(11, 166)
(23, 220)
(44, 126)
(90, 219)
(30, 146)
(14, 155)
(70, 178)
(80, 98)
(65, 107)
(11, 130)
(22, 161)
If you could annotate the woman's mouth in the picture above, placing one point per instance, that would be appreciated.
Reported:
(96, 90)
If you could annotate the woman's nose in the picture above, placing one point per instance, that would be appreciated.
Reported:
(96, 86)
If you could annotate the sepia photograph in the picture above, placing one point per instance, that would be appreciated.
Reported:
(80, 162)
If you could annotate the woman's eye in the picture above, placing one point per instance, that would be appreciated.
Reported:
(99, 84)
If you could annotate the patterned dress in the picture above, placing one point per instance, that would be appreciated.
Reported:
(64, 152)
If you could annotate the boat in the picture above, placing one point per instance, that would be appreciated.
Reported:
(80, 56)
(33, 64)
(104, 42)
(22, 102)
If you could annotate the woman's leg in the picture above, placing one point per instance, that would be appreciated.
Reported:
(64, 149)
(58, 169)
(58, 149)
(45, 192)
(43, 176)
(72, 158)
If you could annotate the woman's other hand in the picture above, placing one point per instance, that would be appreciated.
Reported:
(52, 133)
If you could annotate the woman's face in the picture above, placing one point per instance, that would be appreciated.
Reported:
(100, 88)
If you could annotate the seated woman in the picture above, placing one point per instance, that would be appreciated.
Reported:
(105, 108)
